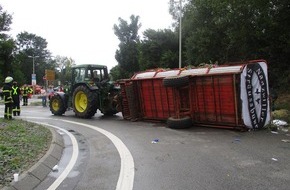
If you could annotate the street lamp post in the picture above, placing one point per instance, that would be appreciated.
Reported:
(180, 9)
(33, 77)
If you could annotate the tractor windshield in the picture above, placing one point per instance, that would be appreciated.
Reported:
(89, 74)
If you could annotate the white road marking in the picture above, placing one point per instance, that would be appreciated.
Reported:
(127, 172)
(72, 162)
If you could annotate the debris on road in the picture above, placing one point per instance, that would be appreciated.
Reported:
(16, 177)
(55, 168)
(155, 141)
(278, 122)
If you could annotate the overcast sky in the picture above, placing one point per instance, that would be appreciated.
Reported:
(83, 30)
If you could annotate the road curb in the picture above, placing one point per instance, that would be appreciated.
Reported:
(38, 172)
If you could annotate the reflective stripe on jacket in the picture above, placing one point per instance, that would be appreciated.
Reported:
(7, 92)
(16, 91)
(26, 91)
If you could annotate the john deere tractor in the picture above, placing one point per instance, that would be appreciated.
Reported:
(89, 90)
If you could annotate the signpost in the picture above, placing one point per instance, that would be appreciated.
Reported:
(49, 74)
(33, 79)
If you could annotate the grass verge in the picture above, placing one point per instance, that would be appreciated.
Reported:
(22, 144)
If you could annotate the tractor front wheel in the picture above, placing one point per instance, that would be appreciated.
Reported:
(57, 105)
(85, 102)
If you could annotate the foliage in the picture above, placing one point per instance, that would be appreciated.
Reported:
(127, 54)
(223, 31)
(115, 73)
(212, 31)
(21, 145)
(6, 49)
(158, 49)
(16, 56)
(281, 114)
(283, 101)
(6, 44)
(5, 21)
(218, 31)
(31, 48)
(63, 68)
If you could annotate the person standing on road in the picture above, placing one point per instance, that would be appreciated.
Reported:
(7, 92)
(43, 96)
(16, 99)
(25, 92)
(50, 92)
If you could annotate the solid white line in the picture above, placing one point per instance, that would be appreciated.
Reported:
(127, 172)
(69, 167)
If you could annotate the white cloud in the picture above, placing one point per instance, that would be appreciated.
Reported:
(83, 30)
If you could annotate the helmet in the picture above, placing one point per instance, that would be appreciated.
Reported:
(8, 79)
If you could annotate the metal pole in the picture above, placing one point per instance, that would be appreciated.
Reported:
(33, 71)
(180, 7)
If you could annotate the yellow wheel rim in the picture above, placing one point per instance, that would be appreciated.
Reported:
(81, 101)
(55, 104)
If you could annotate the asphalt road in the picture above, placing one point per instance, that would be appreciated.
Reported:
(195, 158)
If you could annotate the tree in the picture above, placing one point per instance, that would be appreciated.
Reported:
(5, 22)
(6, 45)
(159, 49)
(221, 30)
(127, 54)
(63, 68)
(115, 73)
(29, 46)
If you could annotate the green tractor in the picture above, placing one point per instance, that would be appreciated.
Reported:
(89, 90)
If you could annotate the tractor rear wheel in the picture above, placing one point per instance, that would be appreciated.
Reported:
(57, 105)
(85, 102)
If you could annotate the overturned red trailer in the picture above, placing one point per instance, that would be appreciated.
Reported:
(232, 96)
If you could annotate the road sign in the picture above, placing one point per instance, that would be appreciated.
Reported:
(49, 74)
(33, 79)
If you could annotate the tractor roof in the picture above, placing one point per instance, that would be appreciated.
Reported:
(90, 65)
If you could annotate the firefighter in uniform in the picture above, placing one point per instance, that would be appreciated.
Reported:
(16, 99)
(25, 92)
(7, 92)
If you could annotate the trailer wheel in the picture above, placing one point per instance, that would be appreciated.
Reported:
(176, 81)
(57, 105)
(180, 123)
(85, 102)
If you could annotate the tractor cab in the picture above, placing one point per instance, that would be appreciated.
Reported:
(92, 75)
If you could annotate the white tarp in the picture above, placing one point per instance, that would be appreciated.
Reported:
(255, 95)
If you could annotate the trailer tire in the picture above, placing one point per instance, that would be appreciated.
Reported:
(176, 81)
(57, 105)
(85, 102)
(180, 123)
